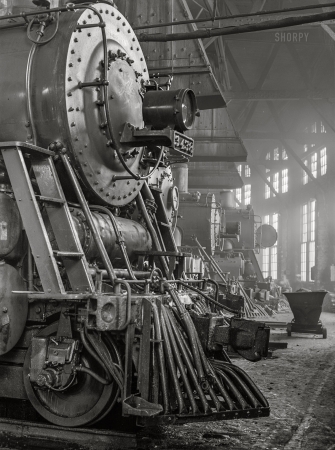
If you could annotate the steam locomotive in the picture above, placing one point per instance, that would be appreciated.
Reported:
(95, 305)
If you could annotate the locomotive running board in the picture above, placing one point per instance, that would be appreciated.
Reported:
(180, 419)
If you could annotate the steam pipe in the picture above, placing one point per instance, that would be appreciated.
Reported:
(179, 362)
(119, 239)
(141, 206)
(161, 362)
(208, 33)
(172, 366)
(190, 330)
(187, 357)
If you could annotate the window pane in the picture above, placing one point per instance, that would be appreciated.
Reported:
(265, 262)
(323, 161)
(303, 262)
(314, 164)
(284, 180)
(305, 176)
(312, 221)
(247, 171)
(276, 181)
(247, 194)
(311, 258)
(274, 262)
(238, 194)
(267, 189)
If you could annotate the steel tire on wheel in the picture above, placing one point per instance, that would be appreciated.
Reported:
(81, 404)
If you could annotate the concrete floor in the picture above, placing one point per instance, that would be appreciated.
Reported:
(299, 383)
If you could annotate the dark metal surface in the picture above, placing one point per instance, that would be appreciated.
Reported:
(201, 220)
(83, 403)
(10, 224)
(21, 434)
(306, 308)
(135, 236)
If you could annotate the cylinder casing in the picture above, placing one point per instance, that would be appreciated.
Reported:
(135, 236)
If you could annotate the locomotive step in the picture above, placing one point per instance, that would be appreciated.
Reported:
(50, 199)
(74, 255)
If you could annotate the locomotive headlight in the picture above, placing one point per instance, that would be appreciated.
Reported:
(174, 109)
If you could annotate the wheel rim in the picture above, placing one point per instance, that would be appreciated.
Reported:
(79, 405)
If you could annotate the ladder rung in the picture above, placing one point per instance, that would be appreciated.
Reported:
(77, 255)
(50, 199)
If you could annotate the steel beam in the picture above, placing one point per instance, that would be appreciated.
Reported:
(282, 94)
(301, 138)
(258, 25)
(220, 179)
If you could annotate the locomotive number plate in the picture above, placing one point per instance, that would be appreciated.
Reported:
(183, 144)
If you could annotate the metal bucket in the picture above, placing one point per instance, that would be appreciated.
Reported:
(306, 308)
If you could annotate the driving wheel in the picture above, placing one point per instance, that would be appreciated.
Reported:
(84, 402)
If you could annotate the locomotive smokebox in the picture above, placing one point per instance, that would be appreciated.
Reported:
(60, 96)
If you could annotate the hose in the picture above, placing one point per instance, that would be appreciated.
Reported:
(92, 352)
(94, 375)
(233, 311)
(118, 237)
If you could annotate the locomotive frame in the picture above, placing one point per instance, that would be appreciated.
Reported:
(95, 332)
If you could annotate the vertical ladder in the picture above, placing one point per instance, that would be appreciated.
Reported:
(59, 216)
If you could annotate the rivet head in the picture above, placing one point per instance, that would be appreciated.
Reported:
(69, 79)
(73, 124)
(79, 60)
(119, 198)
(72, 51)
(70, 65)
(75, 39)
